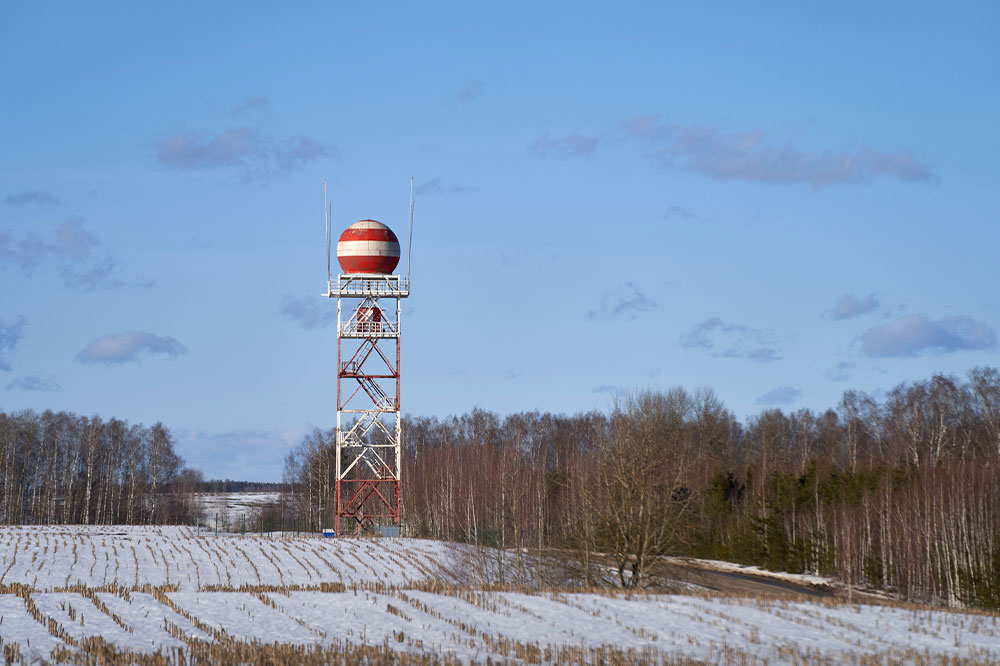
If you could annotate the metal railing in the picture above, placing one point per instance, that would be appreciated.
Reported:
(371, 285)
(383, 328)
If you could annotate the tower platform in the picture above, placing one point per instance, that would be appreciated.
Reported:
(368, 285)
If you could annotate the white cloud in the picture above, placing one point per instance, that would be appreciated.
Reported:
(436, 186)
(251, 104)
(840, 372)
(131, 346)
(682, 213)
(624, 303)
(34, 383)
(783, 395)
(851, 306)
(308, 313)
(241, 455)
(32, 197)
(10, 335)
(77, 255)
(575, 145)
(754, 156)
(725, 339)
(912, 334)
(251, 155)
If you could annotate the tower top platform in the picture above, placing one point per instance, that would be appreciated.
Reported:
(368, 285)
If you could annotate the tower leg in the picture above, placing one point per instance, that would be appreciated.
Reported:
(336, 510)
(395, 503)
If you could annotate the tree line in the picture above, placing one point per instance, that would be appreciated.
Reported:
(900, 494)
(58, 467)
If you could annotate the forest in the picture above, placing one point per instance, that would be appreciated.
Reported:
(58, 467)
(898, 494)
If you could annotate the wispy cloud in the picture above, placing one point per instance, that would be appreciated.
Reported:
(613, 389)
(32, 198)
(624, 303)
(851, 306)
(725, 339)
(10, 335)
(575, 145)
(437, 186)
(912, 334)
(307, 313)
(252, 455)
(77, 255)
(512, 256)
(126, 347)
(251, 104)
(34, 383)
(783, 395)
(470, 93)
(840, 372)
(681, 213)
(754, 156)
(248, 153)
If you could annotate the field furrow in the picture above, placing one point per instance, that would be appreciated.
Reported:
(136, 595)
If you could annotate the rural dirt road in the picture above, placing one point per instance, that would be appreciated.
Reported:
(738, 582)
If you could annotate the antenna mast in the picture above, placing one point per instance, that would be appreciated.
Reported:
(326, 211)
(409, 243)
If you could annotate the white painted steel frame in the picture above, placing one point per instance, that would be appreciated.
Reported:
(365, 326)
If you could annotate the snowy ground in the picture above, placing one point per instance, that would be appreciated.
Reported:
(161, 594)
(54, 557)
(234, 510)
(475, 625)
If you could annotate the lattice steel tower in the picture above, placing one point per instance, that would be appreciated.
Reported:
(369, 430)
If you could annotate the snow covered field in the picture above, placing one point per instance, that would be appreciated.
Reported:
(167, 590)
(53, 557)
(234, 510)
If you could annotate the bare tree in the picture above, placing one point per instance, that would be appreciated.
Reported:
(645, 464)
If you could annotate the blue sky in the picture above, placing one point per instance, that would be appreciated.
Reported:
(779, 202)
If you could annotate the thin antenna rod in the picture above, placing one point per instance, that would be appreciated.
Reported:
(326, 211)
(409, 248)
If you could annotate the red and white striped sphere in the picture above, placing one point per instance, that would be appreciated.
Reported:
(368, 247)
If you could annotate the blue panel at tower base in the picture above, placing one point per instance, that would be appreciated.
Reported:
(329, 533)
(388, 530)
